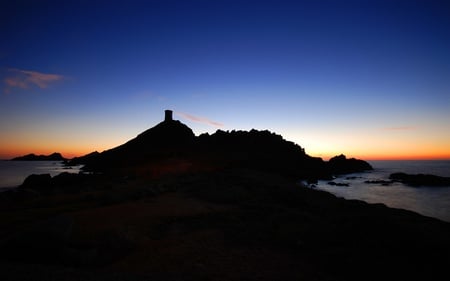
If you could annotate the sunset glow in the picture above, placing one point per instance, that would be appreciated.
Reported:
(368, 79)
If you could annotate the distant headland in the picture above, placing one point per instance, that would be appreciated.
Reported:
(33, 157)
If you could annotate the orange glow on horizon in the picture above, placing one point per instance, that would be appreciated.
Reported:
(71, 153)
(410, 157)
(387, 154)
(5, 155)
(65, 151)
(402, 156)
(360, 148)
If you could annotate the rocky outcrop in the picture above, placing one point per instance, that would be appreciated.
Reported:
(172, 146)
(420, 179)
(44, 184)
(261, 150)
(341, 165)
(170, 138)
(37, 182)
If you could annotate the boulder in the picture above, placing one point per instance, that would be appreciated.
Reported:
(40, 182)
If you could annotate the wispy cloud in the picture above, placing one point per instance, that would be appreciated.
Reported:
(25, 79)
(199, 119)
(401, 128)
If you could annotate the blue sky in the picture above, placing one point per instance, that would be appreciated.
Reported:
(366, 78)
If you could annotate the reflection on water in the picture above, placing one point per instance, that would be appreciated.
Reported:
(429, 201)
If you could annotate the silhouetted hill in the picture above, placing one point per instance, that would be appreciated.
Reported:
(32, 157)
(170, 138)
(83, 159)
(261, 150)
(171, 146)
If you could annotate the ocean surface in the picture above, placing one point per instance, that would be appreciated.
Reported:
(13, 173)
(425, 200)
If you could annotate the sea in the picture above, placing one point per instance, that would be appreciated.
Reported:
(13, 173)
(426, 200)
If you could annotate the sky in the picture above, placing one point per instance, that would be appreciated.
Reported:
(369, 79)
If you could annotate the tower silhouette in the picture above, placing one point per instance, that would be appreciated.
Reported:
(168, 115)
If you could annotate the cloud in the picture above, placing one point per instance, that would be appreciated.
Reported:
(401, 128)
(25, 79)
(200, 119)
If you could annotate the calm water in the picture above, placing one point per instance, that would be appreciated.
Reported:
(429, 201)
(13, 173)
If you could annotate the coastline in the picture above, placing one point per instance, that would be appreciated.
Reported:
(13, 173)
(222, 225)
(426, 200)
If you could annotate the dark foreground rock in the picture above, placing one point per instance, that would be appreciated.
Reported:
(37, 182)
(44, 184)
(232, 224)
(420, 179)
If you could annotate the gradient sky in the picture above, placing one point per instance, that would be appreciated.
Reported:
(370, 79)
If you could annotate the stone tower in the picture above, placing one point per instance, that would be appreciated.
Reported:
(168, 115)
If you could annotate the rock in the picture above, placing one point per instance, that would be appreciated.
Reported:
(382, 182)
(337, 183)
(420, 179)
(40, 182)
(341, 165)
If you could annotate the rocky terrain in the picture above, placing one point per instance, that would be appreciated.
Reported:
(168, 205)
(222, 225)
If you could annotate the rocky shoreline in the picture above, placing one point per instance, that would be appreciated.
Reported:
(231, 224)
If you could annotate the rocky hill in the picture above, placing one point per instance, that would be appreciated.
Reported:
(172, 145)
